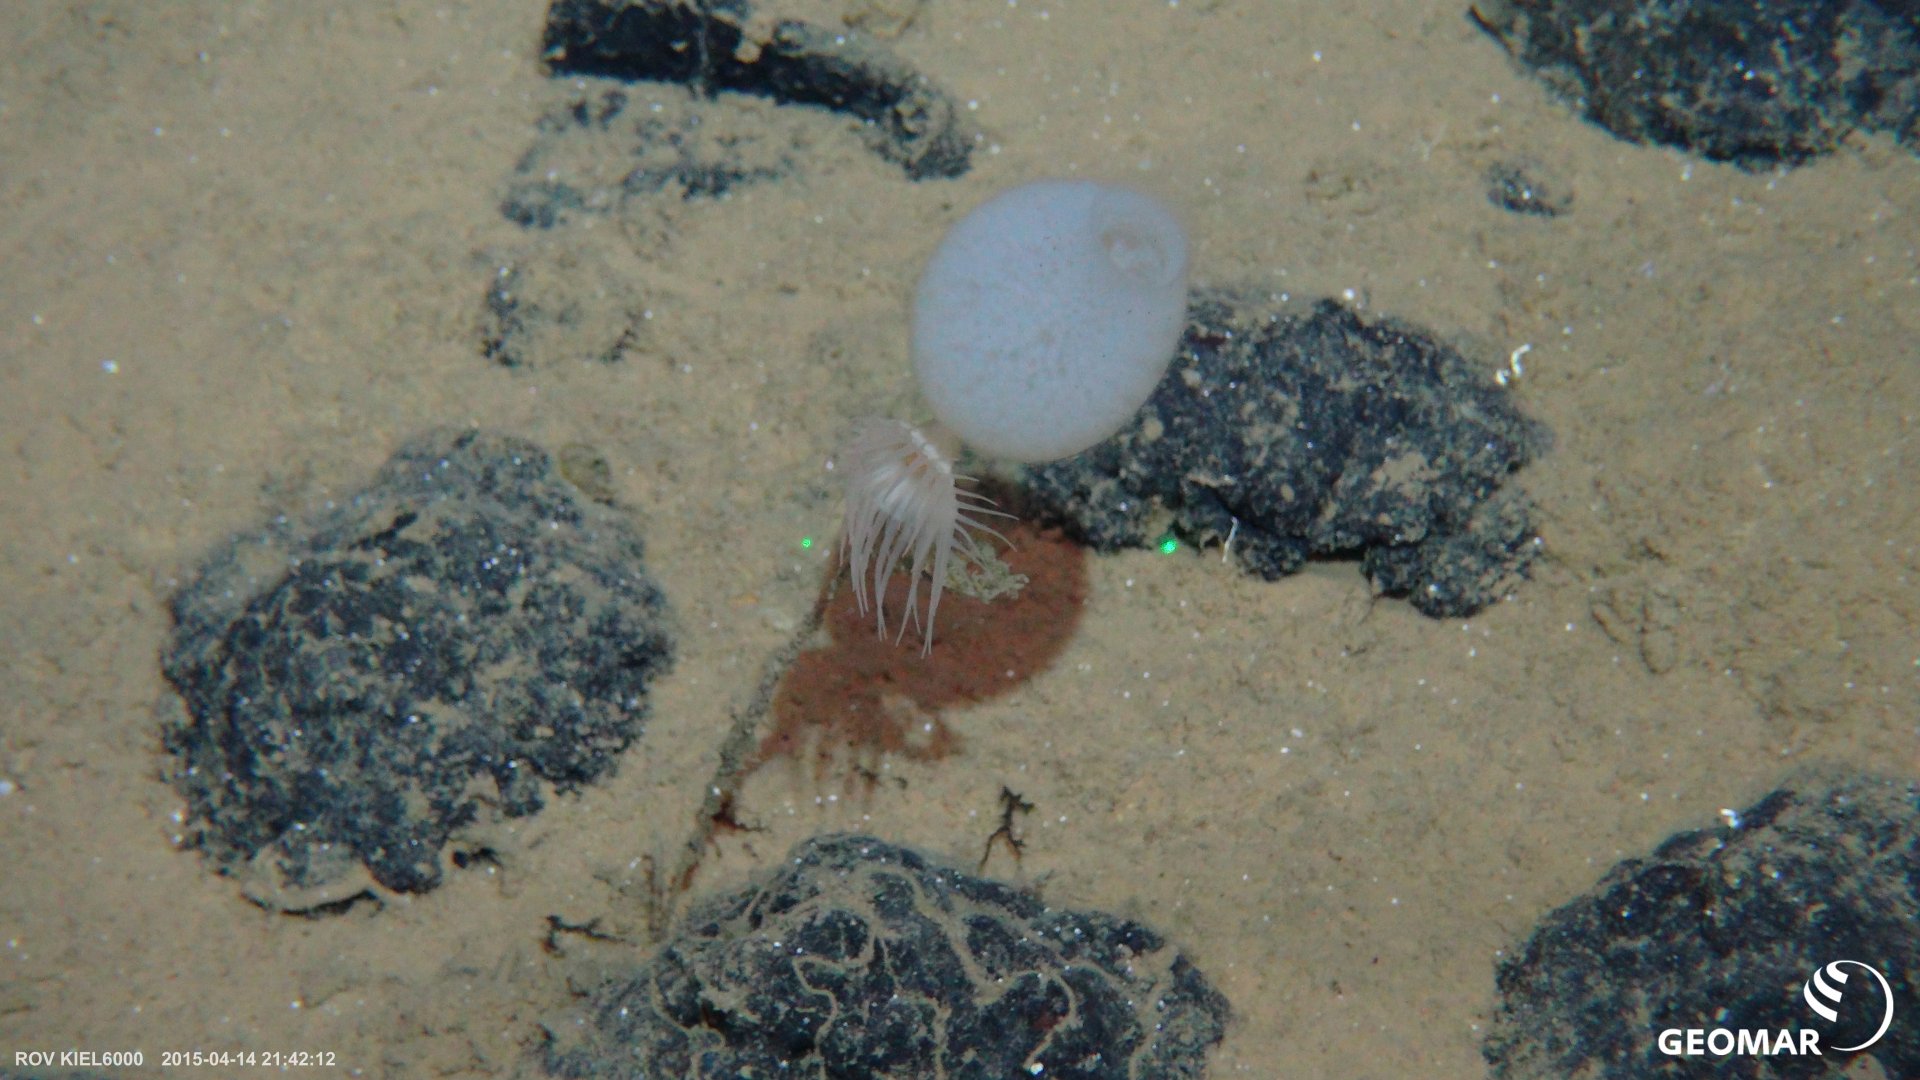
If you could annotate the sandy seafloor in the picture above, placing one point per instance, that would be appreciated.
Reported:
(242, 254)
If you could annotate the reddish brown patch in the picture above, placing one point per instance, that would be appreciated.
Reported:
(864, 696)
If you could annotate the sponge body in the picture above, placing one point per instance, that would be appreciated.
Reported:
(1048, 314)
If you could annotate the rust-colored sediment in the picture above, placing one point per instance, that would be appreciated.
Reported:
(863, 696)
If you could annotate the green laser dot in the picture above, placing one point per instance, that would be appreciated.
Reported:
(806, 543)
(1169, 544)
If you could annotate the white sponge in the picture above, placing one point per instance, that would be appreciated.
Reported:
(1047, 316)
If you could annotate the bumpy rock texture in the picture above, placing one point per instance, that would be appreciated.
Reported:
(1722, 927)
(1755, 82)
(1314, 433)
(446, 647)
(859, 960)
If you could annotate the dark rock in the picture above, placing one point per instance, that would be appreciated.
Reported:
(1723, 928)
(444, 649)
(1308, 434)
(1754, 82)
(638, 164)
(859, 960)
(1521, 189)
(705, 46)
(629, 162)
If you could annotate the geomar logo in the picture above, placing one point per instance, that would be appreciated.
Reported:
(1826, 992)
(1823, 996)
